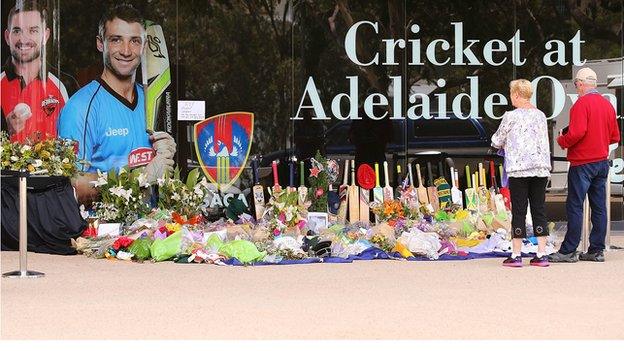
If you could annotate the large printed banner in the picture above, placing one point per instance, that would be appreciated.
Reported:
(222, 144)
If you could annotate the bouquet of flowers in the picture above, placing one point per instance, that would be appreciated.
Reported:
(124, 195)
(55, 157)
(382, 242)
(390, 211)
(284, 212)
(184, 198)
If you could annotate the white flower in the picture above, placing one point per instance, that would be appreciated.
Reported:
(198, 191)
(65, 160)
(37, 163)
(176, 197)
(14, 158)
(289, 213)
(142, 179)
(161, 181)
(102, 180)
(121, 192)
(25, 148)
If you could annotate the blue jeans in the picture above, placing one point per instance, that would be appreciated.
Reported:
(588, 179)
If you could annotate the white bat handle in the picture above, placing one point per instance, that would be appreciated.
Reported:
(352, 172)
(345, 178)
(409, 172)
(453, 177)
(386, 173)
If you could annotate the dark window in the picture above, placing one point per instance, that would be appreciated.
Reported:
(444, 128)
(339, 136)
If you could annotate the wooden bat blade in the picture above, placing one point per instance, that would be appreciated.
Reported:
(364, 205)
(303, 195)
(354, 204)
(258, 193)
(343, 193)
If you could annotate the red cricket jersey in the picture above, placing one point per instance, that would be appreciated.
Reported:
(45, 98)
(593, 126)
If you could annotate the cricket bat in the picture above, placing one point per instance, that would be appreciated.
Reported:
(458, 193)
(414, 198)
(302, 190)
(156, 77)
(291, 176)
(258, 190)
(422, 191)
(498, 200)
(343, 192)
(276, 187)
(354, 203)
(378, 195)
(492, 188)
(399, 182)
(482, 192)
(388, 193)
(471, 195)
(432, 192)
(364, 205)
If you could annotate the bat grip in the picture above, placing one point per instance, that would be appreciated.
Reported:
(254, 171)
(291, 174)
(275, 178)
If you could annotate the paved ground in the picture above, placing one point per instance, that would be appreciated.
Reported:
(82, 298)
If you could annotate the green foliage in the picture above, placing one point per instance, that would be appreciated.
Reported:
(185, 198)
(319, 185)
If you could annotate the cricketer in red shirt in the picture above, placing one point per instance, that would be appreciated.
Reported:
(45, 99)
(25, 79)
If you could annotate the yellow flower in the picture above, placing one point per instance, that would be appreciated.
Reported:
(45, 155)
(173, 227)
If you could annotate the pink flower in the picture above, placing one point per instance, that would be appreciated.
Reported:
(276, 232)
(282, 217)
(319, 192)
(301, 224)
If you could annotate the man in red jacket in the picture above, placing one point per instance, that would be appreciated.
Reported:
(592, 128)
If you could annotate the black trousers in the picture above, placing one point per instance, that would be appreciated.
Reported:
(53, 215)
(528, 190)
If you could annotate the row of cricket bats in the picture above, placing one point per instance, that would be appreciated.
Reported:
(355, 200)
(258, 189)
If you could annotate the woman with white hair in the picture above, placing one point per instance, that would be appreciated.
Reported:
(523, 134)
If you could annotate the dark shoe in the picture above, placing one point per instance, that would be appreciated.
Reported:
(540, 261)
(513, 262)
(558, 257)
(597, 256)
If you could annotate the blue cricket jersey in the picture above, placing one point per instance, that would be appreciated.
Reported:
(106, 125)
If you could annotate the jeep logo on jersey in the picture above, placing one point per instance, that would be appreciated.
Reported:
(49, 105)
(140, 157)
(117, 132)
(222, 145)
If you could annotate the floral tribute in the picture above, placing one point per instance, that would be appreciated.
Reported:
(285, 213)
(183, 198)
(124, 196)
(55, 157)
